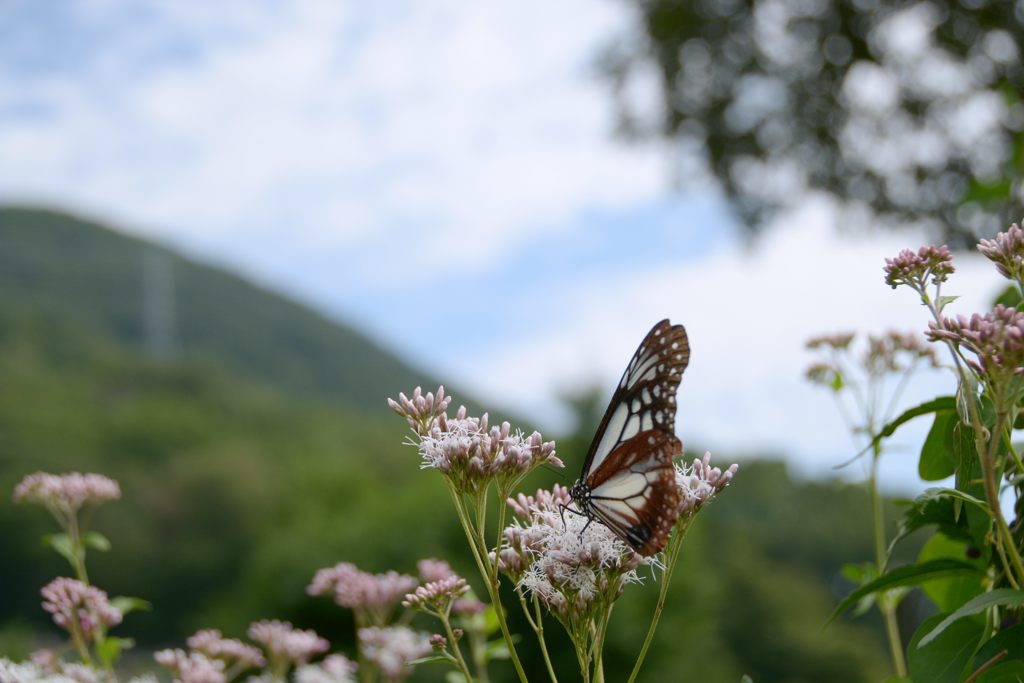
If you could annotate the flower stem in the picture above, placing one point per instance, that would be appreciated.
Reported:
(885, 605)
(671, 556)
(456, 650)
(483, 566)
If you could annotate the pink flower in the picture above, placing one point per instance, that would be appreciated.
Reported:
(74, 605)
(191, 667)
(698, 483)
(232, 651)
(437, 595)
(432, 569)
(283, 641)
(915, 269)
(66, 492)
(1007, 252)
(356, 589)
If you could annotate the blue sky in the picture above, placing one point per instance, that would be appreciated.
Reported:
(445, 176)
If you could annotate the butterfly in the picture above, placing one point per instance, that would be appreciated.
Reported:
(628, 480)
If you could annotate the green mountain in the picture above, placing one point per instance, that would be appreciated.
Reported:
(149, 297)
(252, 445)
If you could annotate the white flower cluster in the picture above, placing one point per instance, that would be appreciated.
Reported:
(30, 672)
(333, 669)
(569, 563)
(698, 483)
(578, 564)
(393, 649)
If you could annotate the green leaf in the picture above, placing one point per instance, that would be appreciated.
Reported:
(454, 677)
(1010, 640)
(127, 604)
(96, 541)
(941, 507)
(491, 620)
(933, 406)
(1000, 596)
(62, 544)
(936, 461)
(950, 592)
(943, 659)
(434, 659)
(111, 648)
(911, 575)
(497, 649)
(944, 301)
(1010, 297)
(1008, 672)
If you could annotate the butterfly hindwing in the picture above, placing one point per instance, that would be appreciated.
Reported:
(633, 492)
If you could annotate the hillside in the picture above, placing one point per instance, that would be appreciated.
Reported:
(245, 468)
(151, 298)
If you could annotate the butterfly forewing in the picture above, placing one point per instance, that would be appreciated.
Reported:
(645, 398)
(628, 480)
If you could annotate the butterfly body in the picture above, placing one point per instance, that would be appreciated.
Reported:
(628, 478)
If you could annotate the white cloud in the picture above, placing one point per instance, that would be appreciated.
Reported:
(348, 126)
(748, 313)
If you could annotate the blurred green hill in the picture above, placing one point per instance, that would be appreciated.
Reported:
(253, 447)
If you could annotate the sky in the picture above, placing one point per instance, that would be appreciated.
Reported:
(446, 177)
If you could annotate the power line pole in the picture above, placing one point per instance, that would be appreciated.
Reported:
(160, 327)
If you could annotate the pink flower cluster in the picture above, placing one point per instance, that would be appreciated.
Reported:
(421, 410)
(471, 452)
(437, 595)
(281, 640)
(77, 606)
(996, 339)
(356, 589)
(1007, 252)
(393, 649)
(432, 569)
(915, 269)
(67, 492)
(191, 667)
(467, 449)
(231, 651)
(525, 507)
(837, 341)
(698, 483)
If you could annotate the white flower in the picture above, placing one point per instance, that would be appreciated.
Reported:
(333, 669)
(698, 483)
(572, 566)
(27, 672)
(393, 648)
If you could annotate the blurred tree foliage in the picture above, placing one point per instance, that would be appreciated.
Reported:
(238, 486)
(911, 109)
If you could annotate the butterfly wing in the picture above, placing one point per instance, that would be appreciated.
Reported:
(628, 472)
(633, 492)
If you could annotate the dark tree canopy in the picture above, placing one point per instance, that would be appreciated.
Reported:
(914, 110)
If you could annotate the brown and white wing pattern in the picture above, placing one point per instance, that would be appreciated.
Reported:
(628, 479)
(634, 493)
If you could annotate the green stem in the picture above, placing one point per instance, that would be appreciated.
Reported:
(483, 566)
(988, 472)
(671, 556)
(456, 650)
(885, 605)
(79, 641)
(986, 456)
